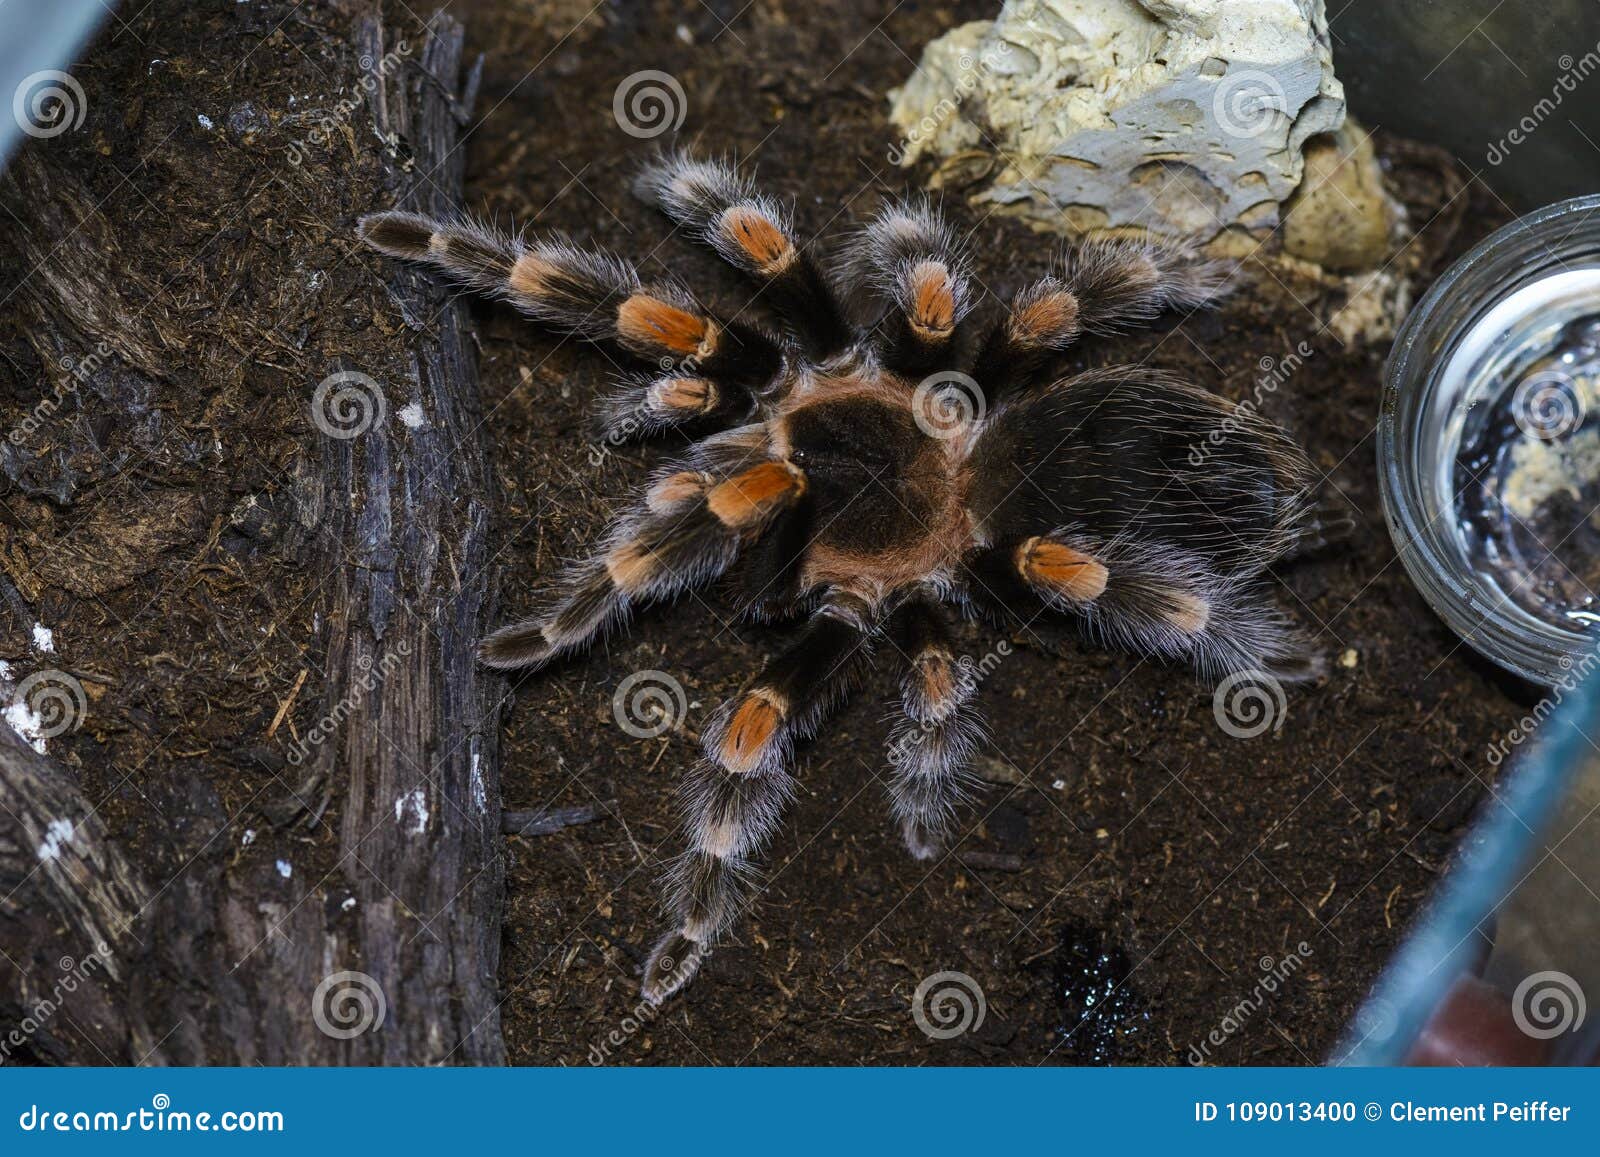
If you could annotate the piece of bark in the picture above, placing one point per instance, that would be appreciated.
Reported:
(546, 823)
(68, 901)
(991, 861)
(229, 959)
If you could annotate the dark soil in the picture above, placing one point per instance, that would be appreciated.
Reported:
(1194, 856)
(1130, 837)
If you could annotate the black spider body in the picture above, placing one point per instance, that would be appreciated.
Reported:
(893, 451)
(1117, 455)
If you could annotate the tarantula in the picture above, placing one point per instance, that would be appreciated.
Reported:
(891, 451)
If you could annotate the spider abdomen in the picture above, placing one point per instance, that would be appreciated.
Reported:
(1141, 456)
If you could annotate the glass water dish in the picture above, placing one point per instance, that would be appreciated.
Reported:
(1489, 444)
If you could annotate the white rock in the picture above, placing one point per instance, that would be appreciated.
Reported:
(1180, 116)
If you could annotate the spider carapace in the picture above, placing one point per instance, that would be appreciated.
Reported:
(889, 453)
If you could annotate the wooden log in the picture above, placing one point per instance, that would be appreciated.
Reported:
(68, 900)
(388, 952)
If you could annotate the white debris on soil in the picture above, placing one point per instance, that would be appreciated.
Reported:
(349, 903)
(205, 121)
(44, 639)
(58, 833)
(412, 416)
(1375, 305)
(414, 804)
(249, 838)
(27, 722)
(1180, 116)
(285, 869)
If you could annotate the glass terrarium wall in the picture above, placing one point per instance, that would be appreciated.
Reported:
(1513, 89)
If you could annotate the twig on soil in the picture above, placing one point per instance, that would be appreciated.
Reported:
(288, 702)
(1047, 950)
(546, 823)
(991, 861)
